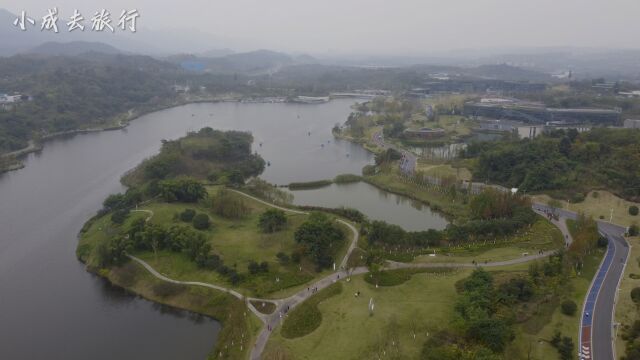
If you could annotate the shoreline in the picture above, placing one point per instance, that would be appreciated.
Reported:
(35, 146)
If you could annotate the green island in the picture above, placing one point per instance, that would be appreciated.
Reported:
(196, 229)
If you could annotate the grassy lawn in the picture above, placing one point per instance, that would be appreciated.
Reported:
(541, 236)
(403, 317)
(626, 309)
(443, 170)
(406, 313)
(600, 205)
(236, 241)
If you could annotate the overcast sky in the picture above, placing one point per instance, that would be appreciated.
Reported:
(378, 26)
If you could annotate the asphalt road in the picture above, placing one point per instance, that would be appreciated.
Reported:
(596, 330)
(409, 160)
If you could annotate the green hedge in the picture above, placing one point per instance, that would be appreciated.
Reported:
(306, 317)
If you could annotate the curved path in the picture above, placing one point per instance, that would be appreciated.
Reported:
(284, 305)
(596, 338)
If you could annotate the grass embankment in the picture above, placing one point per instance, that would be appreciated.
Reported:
(309, 184)
(402, 319)
(599, 207)
(340, 179)
(390, 180)
(626, 309)
(399, 277)
(237, 241)
(239, 325)
(443, 170)
(305, 318)
(542, 235)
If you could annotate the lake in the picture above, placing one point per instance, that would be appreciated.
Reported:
(53, 308)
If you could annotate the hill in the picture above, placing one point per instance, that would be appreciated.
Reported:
(207, 154)
(72, 48)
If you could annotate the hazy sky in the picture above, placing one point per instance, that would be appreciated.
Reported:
(378, 26)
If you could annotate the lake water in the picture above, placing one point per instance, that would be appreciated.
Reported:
(52, 308)
(375, 203)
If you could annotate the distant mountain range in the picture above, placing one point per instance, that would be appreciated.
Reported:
(207, 52)
(72, 48)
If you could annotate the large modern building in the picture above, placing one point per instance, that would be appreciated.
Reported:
(531, 112)
(632, 124)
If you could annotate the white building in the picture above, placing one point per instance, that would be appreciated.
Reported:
(632, 124)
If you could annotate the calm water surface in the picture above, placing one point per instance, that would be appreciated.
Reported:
(375, 203)
(50, 307)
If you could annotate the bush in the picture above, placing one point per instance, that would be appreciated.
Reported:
(368, 170)
(201, 222)
(119, 216)
(603, 241)
(283, 258)
(253, 267)
(635, 295)
(633, 230)
(633, 210)
(569, 307)
(346, 178)
(187, 215)
(228, 205)
(309, 185)
(272, 220)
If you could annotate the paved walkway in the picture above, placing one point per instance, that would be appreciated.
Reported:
(284, 305)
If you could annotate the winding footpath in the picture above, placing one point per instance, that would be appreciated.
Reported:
(271, 321)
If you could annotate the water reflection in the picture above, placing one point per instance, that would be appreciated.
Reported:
(375, 203)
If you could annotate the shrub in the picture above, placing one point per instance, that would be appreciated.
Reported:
(347, 178)
(306, 317)
(119, 216)
(283, 258)
(603, 241)
(187, 215)
(272, 220)
(228, 205)
(369, 170)
(253, 267)
(201, 222)
(633, 230)
(569, 307)
(633, 210)
(635, 295)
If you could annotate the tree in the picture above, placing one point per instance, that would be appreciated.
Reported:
(633, 210)
(183, 189)
(201, 221)
(187, 215)
(272, 220)
(318, 236)
(565, 146)
(119, 216)
(569, 307)
(635, 295)
(227, 204)
(253, 267)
